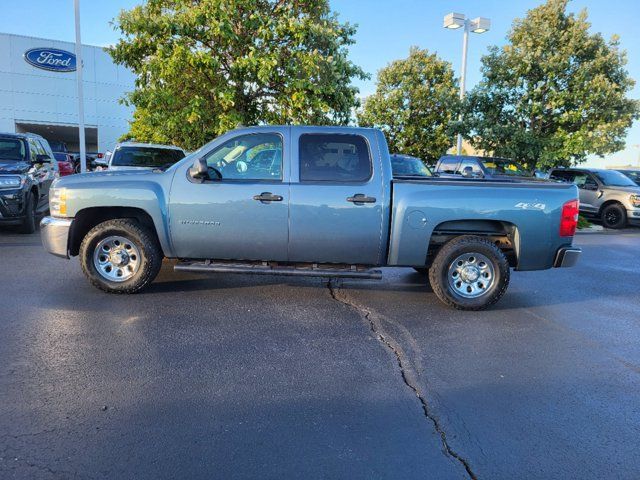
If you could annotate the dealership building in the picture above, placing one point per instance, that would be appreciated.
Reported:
(39, 93)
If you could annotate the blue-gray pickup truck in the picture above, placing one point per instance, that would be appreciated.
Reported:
(317, 201)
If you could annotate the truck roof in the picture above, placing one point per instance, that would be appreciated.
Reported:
(20, 135)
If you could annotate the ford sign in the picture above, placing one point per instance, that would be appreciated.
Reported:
(51, 59)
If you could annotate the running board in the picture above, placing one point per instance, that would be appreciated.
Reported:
(273, 268)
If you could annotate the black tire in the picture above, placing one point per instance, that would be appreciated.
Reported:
(614, 215)
(29, 222)
(144, 241)
(421, 270)
(459, 246)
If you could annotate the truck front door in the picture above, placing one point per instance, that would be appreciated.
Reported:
(337, 198)
(244, 214)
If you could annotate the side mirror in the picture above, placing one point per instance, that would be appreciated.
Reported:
(201, 170)
(42, 157)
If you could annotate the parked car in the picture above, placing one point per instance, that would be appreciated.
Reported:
(607, 195)
(408, 166)
(327, 205)
(66, 165)
(489, 168)
(65, 168)
(93, 159)
(143, 156)
(633, 174)
(27, 169)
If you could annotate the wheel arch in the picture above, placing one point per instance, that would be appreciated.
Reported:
(613, 201)
(503, 234)
(88, 218)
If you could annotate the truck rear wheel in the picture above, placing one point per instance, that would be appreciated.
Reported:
(120, 256)
(469, 273)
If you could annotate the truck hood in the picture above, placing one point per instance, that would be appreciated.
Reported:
(13, 167)
(108, 177)
(122, 168)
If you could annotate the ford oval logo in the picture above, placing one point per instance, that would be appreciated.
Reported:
(51, 59)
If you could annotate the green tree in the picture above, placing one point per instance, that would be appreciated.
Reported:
(206, 66)
(554, 94)
(415, 102)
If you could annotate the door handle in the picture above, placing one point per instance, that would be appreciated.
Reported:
(360, 199)
(266, 197)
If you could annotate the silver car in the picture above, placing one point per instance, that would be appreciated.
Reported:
(143, 156)
(607, 195)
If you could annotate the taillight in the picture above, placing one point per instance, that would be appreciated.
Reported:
(100, 155)
(569, 218)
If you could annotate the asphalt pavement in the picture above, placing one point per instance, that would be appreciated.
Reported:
(241, 376)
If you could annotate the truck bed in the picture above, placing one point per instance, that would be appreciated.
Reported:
(531, 210)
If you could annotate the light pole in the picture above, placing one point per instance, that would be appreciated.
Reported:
(83, 151)
(453, 21)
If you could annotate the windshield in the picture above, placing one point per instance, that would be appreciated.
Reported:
(153, 157)
(12, 149)
(409, 166)
(497, 166)
(612, 178)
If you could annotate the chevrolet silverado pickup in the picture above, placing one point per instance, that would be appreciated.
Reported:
(318, 201)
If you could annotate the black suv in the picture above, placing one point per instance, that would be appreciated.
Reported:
(27, 168)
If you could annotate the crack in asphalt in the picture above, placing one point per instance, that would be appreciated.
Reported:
(370, 317)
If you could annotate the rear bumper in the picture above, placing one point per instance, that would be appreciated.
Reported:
(55, 235)
(567, 257)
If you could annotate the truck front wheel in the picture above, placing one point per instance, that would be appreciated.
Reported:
(614, 215)
(120, 256)
(469, 273)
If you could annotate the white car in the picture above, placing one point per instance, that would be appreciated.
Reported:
(142, 156)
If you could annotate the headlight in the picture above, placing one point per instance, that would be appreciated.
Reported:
(11, 181)
(58, 202)
(635, 200)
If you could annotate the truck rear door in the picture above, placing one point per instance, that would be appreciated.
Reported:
(337, 198)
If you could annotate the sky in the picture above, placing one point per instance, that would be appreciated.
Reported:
(386, 30)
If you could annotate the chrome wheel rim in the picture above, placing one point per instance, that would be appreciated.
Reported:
(116, 258)
(471, 275)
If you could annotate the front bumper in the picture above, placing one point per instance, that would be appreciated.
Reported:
(567, 257)
(55, 235)
(12, 206)
(633, 217)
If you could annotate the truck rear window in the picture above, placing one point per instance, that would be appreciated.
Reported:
(334, 158)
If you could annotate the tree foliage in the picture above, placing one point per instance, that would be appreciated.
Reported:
(206, 66)
(414, 104)
(554, 94)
